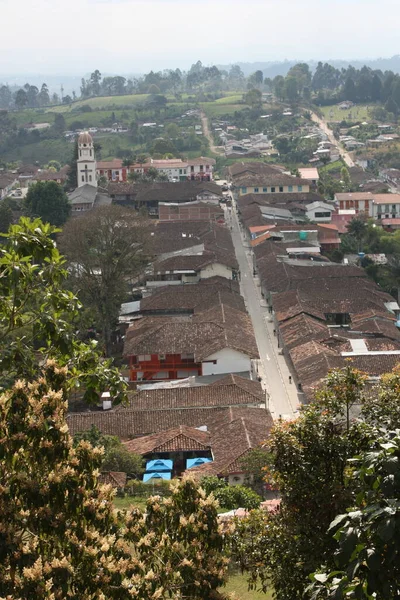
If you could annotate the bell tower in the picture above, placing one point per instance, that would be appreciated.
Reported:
(86, 163)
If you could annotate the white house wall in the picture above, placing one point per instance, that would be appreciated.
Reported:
(228, 361)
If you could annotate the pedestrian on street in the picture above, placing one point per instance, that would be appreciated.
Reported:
(290, 379)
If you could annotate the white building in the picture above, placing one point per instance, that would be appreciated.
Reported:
(319, 212)
(86, 163)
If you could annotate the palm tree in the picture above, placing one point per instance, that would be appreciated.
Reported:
(358, 228)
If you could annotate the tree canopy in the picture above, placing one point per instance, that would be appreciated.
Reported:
(105, 250)
(48, 201)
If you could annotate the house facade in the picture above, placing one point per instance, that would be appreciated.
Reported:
(113, 170)
(360, 202)
(319, 212)
(386, 206)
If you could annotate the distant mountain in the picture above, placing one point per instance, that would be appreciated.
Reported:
(274, 68)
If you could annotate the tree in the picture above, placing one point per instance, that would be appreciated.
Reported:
(345, 177)
(357, 228)
(44, 96)
(72, 173)
(116, 457)
(253, 98)
(349, 90)
(47, 200)
(95, 79)
(62, 538)
(376, 88)
(230, 496)
(6, 216)
(105, 249)
(20, 99)
(59, 123)
(291, 89)
(391, 106)
(255, 463)
(38, 316)
(309, 461)
(368, 552)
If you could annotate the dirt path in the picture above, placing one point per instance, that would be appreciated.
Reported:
(207, 134)
(324, 126)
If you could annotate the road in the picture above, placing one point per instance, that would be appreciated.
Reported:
(283, 397)
(324, 126)
(207, 134)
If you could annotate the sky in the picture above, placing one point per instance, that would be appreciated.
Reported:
(134, 36)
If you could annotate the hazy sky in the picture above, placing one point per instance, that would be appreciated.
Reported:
(132, 36)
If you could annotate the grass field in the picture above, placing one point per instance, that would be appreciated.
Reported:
(103, 102)
(237, 585)
(213, 109)
(360, 112)
(129, 501)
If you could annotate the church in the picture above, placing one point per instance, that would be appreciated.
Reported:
(87, 194)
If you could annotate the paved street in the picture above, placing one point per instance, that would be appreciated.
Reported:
(323, 125)
(273, 370)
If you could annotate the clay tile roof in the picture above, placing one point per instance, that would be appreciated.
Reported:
(232, 441)
(128, 423)
(228, 391)
(173, 440)
(116, 478)
(205, 334)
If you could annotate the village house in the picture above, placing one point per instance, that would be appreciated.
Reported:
(386, 207)
(222, 433)
(113, 170)
(326, 314)
(149, 195)
(361, 202)
(391, 176)
(190, 211)
(319, 212)
(7, 182)
(310, 174)
(218, 340)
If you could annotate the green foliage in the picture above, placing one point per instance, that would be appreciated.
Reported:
(309, 462)
(368, 535)
(37, 315)
(61, 537)
(6, 215)
(230, 496)
(116, 457)
(255, 464)
(105, 249)
(48, 201)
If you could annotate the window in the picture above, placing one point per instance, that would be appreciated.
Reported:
(244, 190)
(144, 357)
(290, 188)
(281, 188)
(161, 357)
(83, 178)
(90, 178)
(256, 190)
(180, 171)
(322, 215)
(192, 169)
(299, 188)
(187, 357)
(272, 189)
(379, 216)
(90, 153)
(265, 190)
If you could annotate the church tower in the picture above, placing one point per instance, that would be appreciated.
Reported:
(86, 164)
